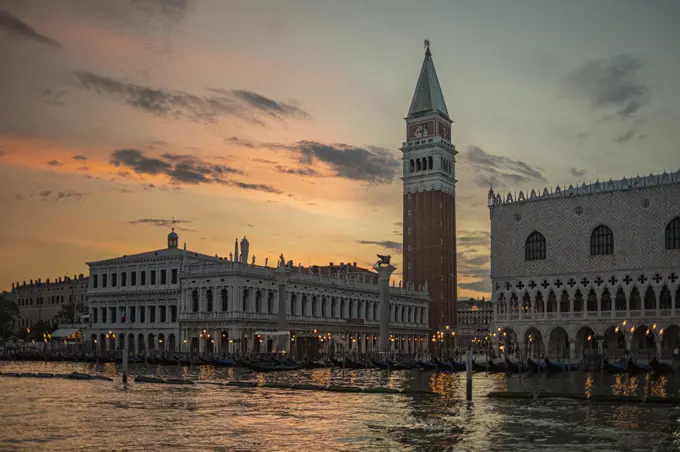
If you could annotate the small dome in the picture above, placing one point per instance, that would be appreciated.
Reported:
(173, 235)
(173, 239)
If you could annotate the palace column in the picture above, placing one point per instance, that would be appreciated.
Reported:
(384, 273)
(282, 274)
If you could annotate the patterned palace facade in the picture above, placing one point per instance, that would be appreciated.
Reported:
(595, 267)
(175, 300)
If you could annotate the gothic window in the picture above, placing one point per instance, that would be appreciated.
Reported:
(535, 247)
(411, 166)
(601, 241)
(209, 298)
(225, 300)
(194, 298)
(673, 234)
(429, 163)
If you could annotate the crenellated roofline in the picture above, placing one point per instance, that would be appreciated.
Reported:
(651, 181)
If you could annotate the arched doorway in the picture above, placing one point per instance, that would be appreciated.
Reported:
(586, 342)
(161, 342)
(102, 343)
(558, 344)
(671, 340)
(150, 344)
(224, 342)
(140, 343)
(508, 342)
(642, 345)
(172, 343)
(614, 344)
(194, 346)
(534, 343)
(131, 344)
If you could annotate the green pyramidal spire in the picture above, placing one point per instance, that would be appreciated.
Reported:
(428, 97)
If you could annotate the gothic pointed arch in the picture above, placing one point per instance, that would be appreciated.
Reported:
(672, 234)
(601, 241)
(535, 247)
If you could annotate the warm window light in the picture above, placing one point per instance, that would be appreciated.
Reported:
(632, 329)
(661, 331)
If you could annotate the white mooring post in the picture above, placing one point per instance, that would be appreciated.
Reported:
(468, 376)
(125, 365)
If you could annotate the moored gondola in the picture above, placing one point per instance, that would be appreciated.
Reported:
(660, 368)
(457, 367)
(270, 366)
(515, 368)
(554, 367)
(634, 368)
(536, 367)
(493, 367)
(614, 368)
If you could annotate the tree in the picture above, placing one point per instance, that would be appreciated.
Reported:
(65, 315)
(9, 313)
(40, 330)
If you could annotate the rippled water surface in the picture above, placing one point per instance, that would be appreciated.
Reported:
(56, 414)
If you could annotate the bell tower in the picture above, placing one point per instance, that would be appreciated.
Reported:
(429, 180)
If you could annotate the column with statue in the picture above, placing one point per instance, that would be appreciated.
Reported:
(385, 270)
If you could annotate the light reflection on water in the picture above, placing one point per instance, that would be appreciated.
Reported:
(56, 414)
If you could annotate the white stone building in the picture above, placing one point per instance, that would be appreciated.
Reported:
(590, 267)
(177, 300)
(475, 318)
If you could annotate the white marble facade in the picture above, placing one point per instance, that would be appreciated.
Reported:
(176, 300)
(597, 266)
(226, 304)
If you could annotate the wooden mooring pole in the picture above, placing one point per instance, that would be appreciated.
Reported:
(468, 376)
(125, 365)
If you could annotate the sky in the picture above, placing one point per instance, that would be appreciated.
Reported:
(282, 121)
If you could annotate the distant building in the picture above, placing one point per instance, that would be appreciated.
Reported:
(475, 318)
(591, 267)
(178, 300)
(40, 300)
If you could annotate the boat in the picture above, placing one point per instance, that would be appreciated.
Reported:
(636, 368)
(476, 367)
(614, 368)
(382, 364)
(660, 368)
(443, 365)
(456, 366)
(269, 366)
(493, 367)
(427, 365)
(536, 367)
(223, 362)
(514, 368)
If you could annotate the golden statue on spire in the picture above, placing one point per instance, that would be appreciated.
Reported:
(427, 44)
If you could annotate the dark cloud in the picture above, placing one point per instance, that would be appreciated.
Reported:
(178, 104)
(611, 84)
(55, 163)
(371, 164)
(163, 223)
(578, 172)
(53, 97)
(15, 27)
(388, 244)
(79, 157)
(66, 195)
(499, 170)
(297, 171)
(247, 186)
(83, 168)
(174, 10)
(239, 141)
(482, 285)
(473, 238)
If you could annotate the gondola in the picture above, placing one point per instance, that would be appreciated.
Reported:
(443, 365)
(457, 367)
(554, 367)
(660, 368)
(614, 368)
(269, 367)
(405, 365)
(476, 367)
(386, 365)
(222, 362)
(634, 368)
(493, 367)
(514, 368)
(536, 367)
(427, 365)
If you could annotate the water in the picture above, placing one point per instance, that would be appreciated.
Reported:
(56, 414)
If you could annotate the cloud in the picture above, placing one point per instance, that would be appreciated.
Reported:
(83, 168)
(388, 244)
(370, 164)
(55, 163)
(467, 238)
(162, 223)
(297, 171)
(577, 172)
(2, 153)
(245, 105)
(53, 97)
(182, 169)
(611, 84)
(66, 195)
(482, 285)
(79, 157)
(239, 141)
(15, 27)
(500, 170)
(174, 10)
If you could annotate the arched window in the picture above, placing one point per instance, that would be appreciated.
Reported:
(535, 247)
(333, 307)
(293, 303)
(270, 302)
(366, 310)
(194, 298)
(601, 241)
(424, 163)
(429, 163)
(417, 164)
(375, 311)
(245, 300)
(258, 301)
(411, 166)
(209, 298)
(323, 306)
(225, 300)
(673, 234)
